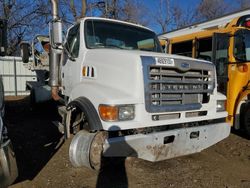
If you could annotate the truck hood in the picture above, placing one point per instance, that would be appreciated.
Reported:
(140, 53)
(119, 74)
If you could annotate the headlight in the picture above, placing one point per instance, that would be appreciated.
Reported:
(221, 106)
(117, 113)
(126, 112)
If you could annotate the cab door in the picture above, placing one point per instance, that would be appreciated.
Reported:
(71, 58)
(220, 44)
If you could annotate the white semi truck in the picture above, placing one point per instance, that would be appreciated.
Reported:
(123, 97)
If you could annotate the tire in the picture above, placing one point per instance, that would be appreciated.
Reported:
(1, 95)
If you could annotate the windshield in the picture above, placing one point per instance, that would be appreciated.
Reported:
(104, 34)
(242, 45)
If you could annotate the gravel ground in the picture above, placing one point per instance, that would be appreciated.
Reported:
(42, 159)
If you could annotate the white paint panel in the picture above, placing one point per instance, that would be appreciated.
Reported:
(15, 75)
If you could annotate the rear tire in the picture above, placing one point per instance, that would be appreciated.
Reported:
(1, 95)
(246, 119)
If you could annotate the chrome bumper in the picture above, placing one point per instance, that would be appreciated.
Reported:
(168, 144)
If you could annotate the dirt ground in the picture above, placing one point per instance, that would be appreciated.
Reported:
(42, 159)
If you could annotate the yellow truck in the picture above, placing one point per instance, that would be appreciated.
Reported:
(226, 42)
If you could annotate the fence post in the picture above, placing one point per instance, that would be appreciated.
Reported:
(15, 77)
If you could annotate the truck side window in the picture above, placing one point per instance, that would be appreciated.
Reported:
(73, 41)
(204, 50)
(183, 48)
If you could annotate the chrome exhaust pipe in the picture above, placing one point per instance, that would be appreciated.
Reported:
(54, 9)
(55, 51)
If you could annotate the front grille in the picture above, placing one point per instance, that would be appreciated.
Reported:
(170, 89)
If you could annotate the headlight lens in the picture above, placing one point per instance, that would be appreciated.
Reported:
(117, 113)
(221, 106)
(126, 113)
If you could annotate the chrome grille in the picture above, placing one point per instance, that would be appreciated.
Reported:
(170, 89)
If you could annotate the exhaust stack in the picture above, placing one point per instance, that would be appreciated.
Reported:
(55, 9)
(55, 50)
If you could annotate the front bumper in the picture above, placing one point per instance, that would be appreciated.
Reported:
(157, 147)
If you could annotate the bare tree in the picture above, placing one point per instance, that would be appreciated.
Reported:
(209, 9)
(126, 10)
(163, 15)
(110, 9)
(24, 18)
(134, 11)
(84, 8)
(244, 4)
(170, 15)
(27, 18)
(75, 13)
(183, 17)
(72, 8)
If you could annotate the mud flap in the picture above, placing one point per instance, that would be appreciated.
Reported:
(8, 167)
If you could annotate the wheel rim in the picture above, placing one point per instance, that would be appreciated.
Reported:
(86, 149)
(79, 149)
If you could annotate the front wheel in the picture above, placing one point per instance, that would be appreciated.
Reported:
(86, 149)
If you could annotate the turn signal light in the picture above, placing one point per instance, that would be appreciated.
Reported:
(84, 71)
(108, 113)
(243, 68)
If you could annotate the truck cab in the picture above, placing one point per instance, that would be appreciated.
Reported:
(122, 96)
(162, 106)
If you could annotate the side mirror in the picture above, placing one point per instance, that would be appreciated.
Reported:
(25, 51)
(66, 51)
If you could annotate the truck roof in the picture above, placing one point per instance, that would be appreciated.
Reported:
(117, 21)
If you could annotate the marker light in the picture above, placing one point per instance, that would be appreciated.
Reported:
(221, 106)
(247, 23)
(243, 68)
